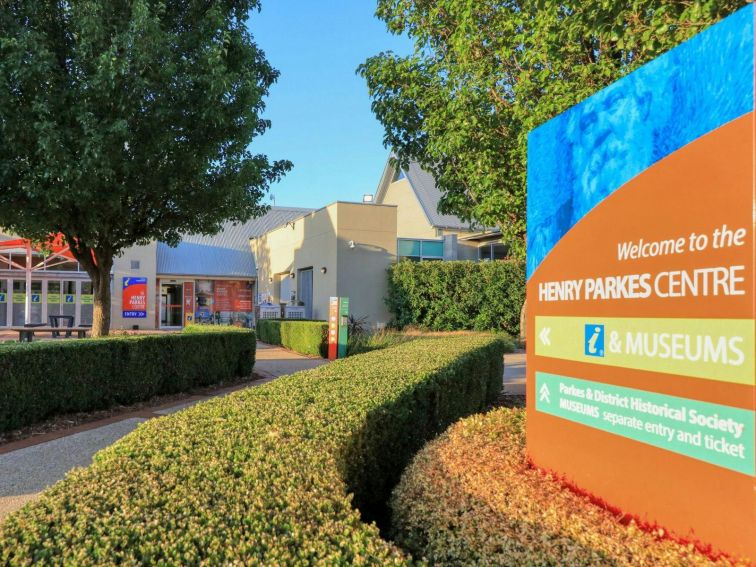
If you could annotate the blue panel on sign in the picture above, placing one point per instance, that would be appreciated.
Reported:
(582, 156)
(134, 314)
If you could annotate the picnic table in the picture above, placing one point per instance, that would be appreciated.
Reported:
(56, 320)
(26, 334)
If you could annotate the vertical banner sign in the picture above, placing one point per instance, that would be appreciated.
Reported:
(333, 328)
(343, 326)
(641, 291)
(188, 303)
(134, 298)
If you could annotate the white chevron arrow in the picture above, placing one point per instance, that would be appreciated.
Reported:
(544, 335)
(545, 394)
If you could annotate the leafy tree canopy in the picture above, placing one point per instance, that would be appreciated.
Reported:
(125, 121)
(486, 72)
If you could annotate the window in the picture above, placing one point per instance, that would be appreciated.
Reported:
(493, 251)
(135, 264)
(416, 250)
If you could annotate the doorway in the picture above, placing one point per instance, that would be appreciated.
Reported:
(171, 305)
(305, 291)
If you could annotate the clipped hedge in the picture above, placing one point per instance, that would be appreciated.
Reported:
(46, 378)
(471, 498)
(263, 476)
(455, 296)
(305, 337)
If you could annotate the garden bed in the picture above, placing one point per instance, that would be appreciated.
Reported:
(471, 498)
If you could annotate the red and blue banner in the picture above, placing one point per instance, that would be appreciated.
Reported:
(134, 298)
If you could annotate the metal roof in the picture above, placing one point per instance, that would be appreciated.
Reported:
(429, 196)
(427, 193)
(227, 253)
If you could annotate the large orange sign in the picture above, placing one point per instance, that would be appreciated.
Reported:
(641, 292)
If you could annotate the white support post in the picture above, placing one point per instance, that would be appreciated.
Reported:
(28, 270)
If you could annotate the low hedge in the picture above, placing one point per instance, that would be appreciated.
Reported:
(266, 475)
(306, 337)
(456, 296)
(471, 498)
(46, 378)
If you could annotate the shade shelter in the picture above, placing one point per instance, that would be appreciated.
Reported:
(37, 257)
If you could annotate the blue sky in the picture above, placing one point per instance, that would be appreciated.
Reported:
(320, 108)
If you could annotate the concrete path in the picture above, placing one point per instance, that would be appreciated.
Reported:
(272, 361)
(514, 373)
(30, 465)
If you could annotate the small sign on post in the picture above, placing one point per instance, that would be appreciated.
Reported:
(338, 324)
(343, 326)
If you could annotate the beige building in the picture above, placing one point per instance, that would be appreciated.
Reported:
(340, 250)
(291, 256)
(422, 232)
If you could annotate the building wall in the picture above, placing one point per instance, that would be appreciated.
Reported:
(321, 240)
(362, 268)
(411, 220)
(147, 258)
(308, 242)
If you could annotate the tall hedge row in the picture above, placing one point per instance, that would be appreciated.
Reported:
(46, 378)
(306, 337)
(263, 476)
(451, 296)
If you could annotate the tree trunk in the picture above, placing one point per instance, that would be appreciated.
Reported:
(101, 287)
(97, 262)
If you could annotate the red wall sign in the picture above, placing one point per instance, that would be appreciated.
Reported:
(232, 296)
(134, 298)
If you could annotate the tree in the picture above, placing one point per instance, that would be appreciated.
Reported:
(126, 121)
(486, 72)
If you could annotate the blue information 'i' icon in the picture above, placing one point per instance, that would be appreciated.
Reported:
(594, 340)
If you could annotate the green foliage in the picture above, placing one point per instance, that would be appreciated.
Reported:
(306, 337)
(126, 122)
(264, 476)
(452, 296)
(360, 343)
(485, 72)
(47, 378)
(471, 497)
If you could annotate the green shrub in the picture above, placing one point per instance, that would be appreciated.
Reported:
(367, 342)
(306, 337)
(455, 296)
(46, 378)
(471, 498)
(263, 476)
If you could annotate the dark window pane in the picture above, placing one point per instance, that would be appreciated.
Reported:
(500, 251)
